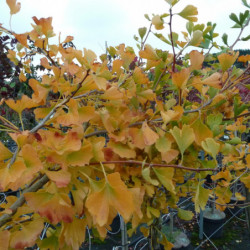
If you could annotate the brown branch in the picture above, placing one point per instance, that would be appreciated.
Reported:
(238, 116)
(153, 165)
(21, 200)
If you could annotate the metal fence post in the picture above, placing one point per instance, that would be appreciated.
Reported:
(124, 234)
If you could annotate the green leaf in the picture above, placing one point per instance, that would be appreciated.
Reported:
(142, 32)
(196, 38)
(184, 214)
(163, 144)
(224, 38)
(172, 2)
(189, 13)
(234, 18)
(235, 140)
(162, 38)
(244, 16)
(147, 17)
(245, 38)
(189, 27)
(201, 198)
(146, 176)
(184, 137)
(214, 120)
(245, 3)
(239, 107)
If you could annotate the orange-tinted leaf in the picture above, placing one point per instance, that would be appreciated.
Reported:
(149, 53)
(137, 137)
(40, 92)
(169, 155)
(139, 77)
(112, 94)
(61, 177)
(4, 240)
(31, 158)
(114, 195)
(56, 207)
(227, 60)
(180, 78)
(10, 175)
(44, 25)
(73, 234)
(22, 38)
(22, 104)
(14, 6)
(196, 59)
(27, 236)
(22, 77)
(158, 22)
(149, 135)
(172, 115)
(5, 153)
(214, 80)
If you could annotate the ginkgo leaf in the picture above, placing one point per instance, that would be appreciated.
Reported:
(114, 195)
(61, 177)
(44, 25)
(56, 207)
(211, 146)
(184, 137)
(196, 59)
(22, 104)
(189, 13)
(121, 149)
(163, 144)
(180, 78)
(139, 77)
(27, 235)
(22, 38)
(4, 239)
(201, 198)
(10, 175)
(149, 135)
(214, 80)
(196, 39)
(31, 158)
(137, 137)
(172, 115)
(73, 234)
(146, 175)
(201, 131)
(149, 53)
(157, 22)
(165, 176)
(169, 155)
(185, 214)
(112, 94)
(5, 153)
(227, 60)
(14, 6)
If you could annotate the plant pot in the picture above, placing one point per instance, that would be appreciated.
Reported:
(212, 221)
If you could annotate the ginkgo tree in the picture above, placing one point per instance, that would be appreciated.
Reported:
(121, 133)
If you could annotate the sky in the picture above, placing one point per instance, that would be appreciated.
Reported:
(94, 22)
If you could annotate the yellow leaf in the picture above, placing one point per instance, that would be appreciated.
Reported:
(201, 198)
(189, 13)
(158, 22)
(165, 175)
(61, 177)
(31, 158)
(139, 77)
(112, 93)
(73, 234)
(5, 153)
(121, 149)
(184, 137)
(137, 137)
(149, 135)
(147, 177)
(227, 60)
(22, 38)
(163, 144)
(180, 78)
(246, 181)
(169, 155)
(40, 93)
(172, 115)
(14, 6)
(113, 195)
(214, 80)
(22, 77)
(27, 236)
(149, 53)
(201, 131)
(211, 146)
(196, 59)
(44, 25)
(184, 214)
